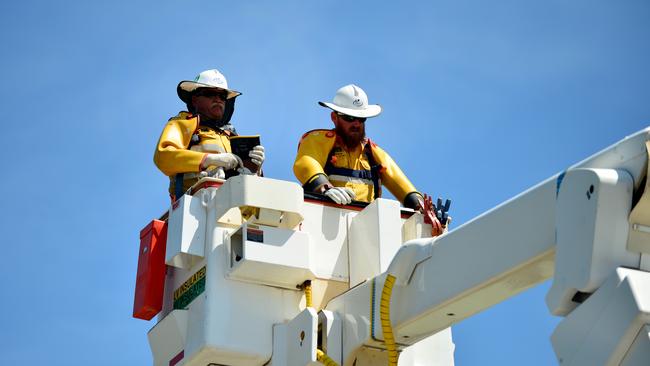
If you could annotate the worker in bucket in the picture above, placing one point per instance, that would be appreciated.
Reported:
(344, 165)
(196, 143)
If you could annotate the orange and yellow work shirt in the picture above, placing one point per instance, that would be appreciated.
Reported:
(320, 147)
(184, 144)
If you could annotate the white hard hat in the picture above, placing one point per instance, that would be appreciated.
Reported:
(353, 101)
(207, 79)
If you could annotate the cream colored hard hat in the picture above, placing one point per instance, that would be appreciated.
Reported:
(353, 101)
(207, 79)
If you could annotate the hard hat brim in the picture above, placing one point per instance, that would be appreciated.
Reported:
(186, 87)
(372, 110)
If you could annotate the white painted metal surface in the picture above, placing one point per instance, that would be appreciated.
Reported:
(295, 341)
(592, 230)
(639, 352)
(503, 252)
(375, 237)
(244, 192)
(269, 256)
(168, 337)
(331, 334)
(436, 350)
(604, 329)
(186, 232)
(229, 321)
(328, 229)
(414, 228)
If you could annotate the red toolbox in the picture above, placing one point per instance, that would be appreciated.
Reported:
(150, 281)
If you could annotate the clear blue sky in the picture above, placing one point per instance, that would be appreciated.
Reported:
(482, 99)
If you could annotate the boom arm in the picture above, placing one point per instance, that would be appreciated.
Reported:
(495, 256)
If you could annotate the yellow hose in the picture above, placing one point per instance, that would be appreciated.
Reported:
(320, 355)
(384, 314)
(325, 359)
(308, 300)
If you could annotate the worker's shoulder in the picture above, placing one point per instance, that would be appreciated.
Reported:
(373, 146)
(184, 120)
(319, 134)
(183, 116)
(380, 154)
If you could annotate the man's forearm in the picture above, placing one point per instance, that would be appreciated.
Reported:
(319, 183)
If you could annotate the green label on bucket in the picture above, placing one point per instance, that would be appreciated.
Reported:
(190, 290)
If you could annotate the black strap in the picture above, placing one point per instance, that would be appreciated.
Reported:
(372, 174)
(178, 186)
(363, 174)
(374, 170)
(316, 182)
(179, 177)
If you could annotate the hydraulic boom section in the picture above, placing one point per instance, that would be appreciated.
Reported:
(573, 228)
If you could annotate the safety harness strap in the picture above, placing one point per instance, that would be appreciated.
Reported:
(178, 186)
(363, 174)
(372, 174)
(180, 177)
(374, 170)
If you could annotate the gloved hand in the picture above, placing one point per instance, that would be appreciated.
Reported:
(245, 171)
(428, 210)
(216, 173)
(257, 155)
(223, 160)
(340, 195)
(436, 227)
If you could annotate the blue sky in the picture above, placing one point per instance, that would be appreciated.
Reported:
(481, 101)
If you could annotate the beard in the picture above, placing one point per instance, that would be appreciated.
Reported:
(352, 138)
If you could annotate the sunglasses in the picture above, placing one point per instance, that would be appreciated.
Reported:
(348, 118)
(211, 93)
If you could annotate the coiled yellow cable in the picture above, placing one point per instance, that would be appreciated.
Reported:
(325, 359)
(320, 355)
(308, 299)
(386, 327)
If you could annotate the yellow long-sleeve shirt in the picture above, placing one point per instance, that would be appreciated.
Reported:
(173, 154)
(314, 151)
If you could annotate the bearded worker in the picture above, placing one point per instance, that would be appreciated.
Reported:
(344, 165)
(196, 142)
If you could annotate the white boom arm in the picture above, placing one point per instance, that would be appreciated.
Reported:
(512, 247)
